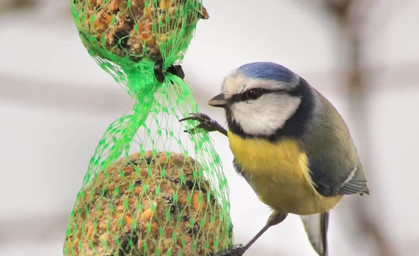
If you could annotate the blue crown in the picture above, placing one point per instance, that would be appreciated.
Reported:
(267, 70)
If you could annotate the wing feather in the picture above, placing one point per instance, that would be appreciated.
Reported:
(356, 183)
(334, 165)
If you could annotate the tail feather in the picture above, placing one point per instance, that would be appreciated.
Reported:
(316, 226)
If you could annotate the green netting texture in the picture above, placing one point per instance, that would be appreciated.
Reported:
(130, 30)
(150, 188)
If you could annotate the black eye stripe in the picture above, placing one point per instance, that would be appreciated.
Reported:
(255, 93)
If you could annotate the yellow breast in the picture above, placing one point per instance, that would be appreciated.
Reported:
(279, 174)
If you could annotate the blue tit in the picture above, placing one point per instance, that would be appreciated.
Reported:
(290, 144)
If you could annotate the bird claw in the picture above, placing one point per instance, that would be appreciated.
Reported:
(237, 250)
(205, 123)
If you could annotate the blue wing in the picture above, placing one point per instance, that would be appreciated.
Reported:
(333, 161)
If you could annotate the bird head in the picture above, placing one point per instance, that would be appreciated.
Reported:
(259, 98)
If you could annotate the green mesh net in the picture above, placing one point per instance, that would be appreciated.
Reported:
(150, 188)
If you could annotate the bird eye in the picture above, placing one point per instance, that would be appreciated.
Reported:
(253, 94)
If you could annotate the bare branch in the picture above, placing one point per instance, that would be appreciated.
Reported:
(16, 5)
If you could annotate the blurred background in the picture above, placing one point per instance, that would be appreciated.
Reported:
(55, 104)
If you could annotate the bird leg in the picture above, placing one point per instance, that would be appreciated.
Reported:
(238, 250)
(205, 123)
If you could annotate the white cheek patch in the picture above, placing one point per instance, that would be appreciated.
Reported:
(265, 115)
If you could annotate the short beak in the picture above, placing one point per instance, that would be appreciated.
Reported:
(218, 101)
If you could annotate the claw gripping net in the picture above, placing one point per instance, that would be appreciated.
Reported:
(150, 188)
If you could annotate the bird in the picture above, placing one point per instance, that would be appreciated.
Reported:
(289, 143)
